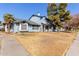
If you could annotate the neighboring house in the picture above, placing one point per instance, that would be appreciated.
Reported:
(34, 24)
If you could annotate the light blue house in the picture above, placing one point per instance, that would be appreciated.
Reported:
(35, 23)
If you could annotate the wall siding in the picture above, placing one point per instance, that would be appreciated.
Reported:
(30, 29)
(16, 27)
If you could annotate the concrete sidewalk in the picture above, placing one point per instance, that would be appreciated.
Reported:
(10, 47)
(74, 49)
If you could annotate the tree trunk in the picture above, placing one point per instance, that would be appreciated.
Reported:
(8, 28)
(54, 28)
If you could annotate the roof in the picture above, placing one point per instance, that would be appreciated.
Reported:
(32, 23)
(40, 17)
(29, 21)
(37, 16)
(18, 20)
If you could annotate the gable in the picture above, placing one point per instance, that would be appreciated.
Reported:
(35, 19)
(43, 20)
(38, 19)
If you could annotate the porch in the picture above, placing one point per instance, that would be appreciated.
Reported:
(47, 28)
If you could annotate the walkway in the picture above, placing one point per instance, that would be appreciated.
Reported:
(10, 47)
(74, 49)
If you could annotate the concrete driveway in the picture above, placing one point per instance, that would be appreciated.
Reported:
(74, 49)
(10, 47)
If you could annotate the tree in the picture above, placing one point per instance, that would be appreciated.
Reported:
(74, 22)
(63, 12)
(53, 15)
(0, 23)
(64, 15)
(58, 14)
(9, 19)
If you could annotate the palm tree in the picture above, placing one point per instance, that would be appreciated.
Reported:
(9, 19)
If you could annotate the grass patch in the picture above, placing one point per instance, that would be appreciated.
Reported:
(46, 44)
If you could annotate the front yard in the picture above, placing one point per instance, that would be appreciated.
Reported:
(51, 43)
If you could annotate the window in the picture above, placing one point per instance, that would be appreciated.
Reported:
(35, 27)
(23, 26)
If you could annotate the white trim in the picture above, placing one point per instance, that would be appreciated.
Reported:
(21, 26)
(6, 30)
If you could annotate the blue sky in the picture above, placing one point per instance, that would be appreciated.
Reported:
(25, 11)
